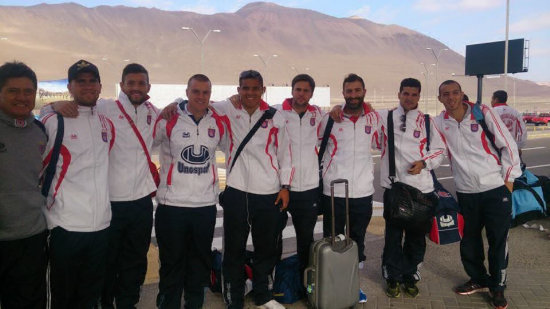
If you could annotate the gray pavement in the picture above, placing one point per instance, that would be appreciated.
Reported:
(528, 275)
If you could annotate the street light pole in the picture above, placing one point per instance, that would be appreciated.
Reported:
(426, 74)
(201, 42)
(436, 66)
(265, 62)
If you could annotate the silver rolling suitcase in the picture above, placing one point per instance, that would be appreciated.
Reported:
(332, 278)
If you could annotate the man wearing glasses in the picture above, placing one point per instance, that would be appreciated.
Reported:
(401, 260)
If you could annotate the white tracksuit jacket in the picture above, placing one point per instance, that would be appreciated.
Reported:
(189, 177)
(78, 199)
(513, 121)
(410, 146)
(302, 133)
(475, 164)
(348, 153)
(129, 175)
(266, 161)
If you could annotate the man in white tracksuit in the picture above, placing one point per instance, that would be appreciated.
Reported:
(257, 191)
(303, 120)
(348, 156)
(186, 216)
(77, 210)
(484, 181)
(510, 117)
(130, 186)
(413, 163)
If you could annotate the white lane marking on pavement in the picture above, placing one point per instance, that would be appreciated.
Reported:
(536, 166)
(533, 148)
(288, 231)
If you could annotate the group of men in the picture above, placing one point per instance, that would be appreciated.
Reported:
(99, 211)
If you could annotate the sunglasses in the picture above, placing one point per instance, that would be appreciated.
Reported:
(403, 126)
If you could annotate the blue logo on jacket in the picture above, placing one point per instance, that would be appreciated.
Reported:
(194, 160)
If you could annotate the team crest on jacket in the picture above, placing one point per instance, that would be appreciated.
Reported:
(149, 118)
(368, 129)
(416, 133)
(20, 123)
(120, 117)
(312, 122)
(104, 136)
(474, 127)
(264, 124)
(211, 132)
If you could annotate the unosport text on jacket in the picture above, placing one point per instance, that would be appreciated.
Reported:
(348, 153)
(129, 175)
(475, 164)
(22, 144)
(78, 199)
(513, 120)
(410, 146)
(189, 176)
(266, 162)
(302, 133)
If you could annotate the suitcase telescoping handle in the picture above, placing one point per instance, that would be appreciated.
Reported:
(332, 183)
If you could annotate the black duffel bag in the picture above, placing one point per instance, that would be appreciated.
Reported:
(406, 206)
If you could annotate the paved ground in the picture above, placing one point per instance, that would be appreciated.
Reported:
(528, 275)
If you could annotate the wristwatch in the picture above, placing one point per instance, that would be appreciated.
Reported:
(285, 187)
(423, 164)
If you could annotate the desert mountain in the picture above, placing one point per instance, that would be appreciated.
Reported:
(51, 37)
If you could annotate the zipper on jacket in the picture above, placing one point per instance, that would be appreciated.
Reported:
(248, 161)
(94, 149)
(353, 170)
(137, 153)
(300, 144)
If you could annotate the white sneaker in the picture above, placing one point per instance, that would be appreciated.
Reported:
(361, 265)
(272, 304)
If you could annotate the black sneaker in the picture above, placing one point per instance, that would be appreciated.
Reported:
(392, 289)
(498, 300)
(411, 289)
(470, 287)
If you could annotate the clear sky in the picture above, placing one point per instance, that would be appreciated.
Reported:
(456, 23)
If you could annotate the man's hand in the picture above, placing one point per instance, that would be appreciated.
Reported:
(509, 186)
(67, 109)
(336, 113)
(416, 167)
(235, 100)
(282, 198)
(169, 111)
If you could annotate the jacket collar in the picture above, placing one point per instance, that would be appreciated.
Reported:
(16, 123)
(123, 98)
(287, 105)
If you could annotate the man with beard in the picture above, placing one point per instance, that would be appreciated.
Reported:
(348, 156)
(130, 186)
(484, 182)
(23, 226)
(77, 206)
